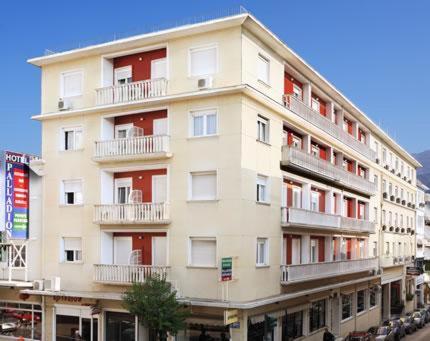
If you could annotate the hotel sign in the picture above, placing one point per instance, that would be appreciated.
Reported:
(226, 269)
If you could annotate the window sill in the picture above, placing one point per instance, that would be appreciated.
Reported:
(265, 266)
(263, 142)
(74, 205)
(73, 263)
(202, 267)
(71, 150)
(373, 308)
(362, 312)
(202, 201)
(316, 331)
(264, 203)
(347, 319)
(202, 137)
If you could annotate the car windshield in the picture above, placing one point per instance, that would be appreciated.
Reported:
(382, 331)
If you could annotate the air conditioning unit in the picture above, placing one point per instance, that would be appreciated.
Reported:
(38, 284)
(52, 284)
(204, 83)
(63, 104)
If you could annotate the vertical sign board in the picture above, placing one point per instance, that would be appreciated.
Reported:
(226, 269)
(16, 195)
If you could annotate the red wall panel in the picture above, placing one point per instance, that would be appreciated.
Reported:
(144, 120)
(140, 63)
(142, 180)
(288, 83)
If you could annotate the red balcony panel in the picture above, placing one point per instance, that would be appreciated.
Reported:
(348, 125)
(140, 63)
(289, 82)
(322, 105)
(290, 185)
(144, 120)
(321, 247)
(289, 244)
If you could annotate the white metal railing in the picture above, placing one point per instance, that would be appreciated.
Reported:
(131, 92)
(126, 274)
(303, 272)
(132, 213)
(302, 217)
(132, 146)
(314, 117)
(326, 169)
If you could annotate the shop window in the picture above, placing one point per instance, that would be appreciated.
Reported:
(293, 326)
(20, 320)
(120, 326)
(346, 306)
(361, 301)
(317, 315)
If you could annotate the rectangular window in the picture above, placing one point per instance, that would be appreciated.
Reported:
(361, 301)
(262, 189)
(71, 84)
(203, 61)
(317, 315)
(375, 249)
(202, 252)
(346, 306)
(263, 69)
(123, 75)
(315, 201)
(297, 92)
(71, 192)
(387, 248)
(372, 298)
(203, 185)
(71, 138)
(262, 129)
(203, 123)
(294, 322)
(315, 150)
(262, 252)
(72, 248)
(297, 197)
(315, 104)
(158, 68)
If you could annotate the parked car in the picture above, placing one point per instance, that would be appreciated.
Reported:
(359, 336)
(384, 334)
(409, 324)
(418, 319)
(398, 328)
(426, 315)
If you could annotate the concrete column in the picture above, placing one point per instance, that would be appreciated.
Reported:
(240, 334)
(339, 248)
(329, 202)
(355, 129)
(330, 110)
(330, 154)
(307, 143)
(307, 93)
(340, 116)
(328, 248)
(306, 196)
(341, 207)
(306, 240)
(339, 159)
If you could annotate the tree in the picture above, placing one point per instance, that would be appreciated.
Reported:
(155, 304)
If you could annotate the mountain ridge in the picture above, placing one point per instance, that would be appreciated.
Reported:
(423, 174)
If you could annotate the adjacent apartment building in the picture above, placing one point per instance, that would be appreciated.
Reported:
(174, 151)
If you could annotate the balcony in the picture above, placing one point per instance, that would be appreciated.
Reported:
(297, 158)
(313, 271)
(387, 261)
(299, 217)
(135, 148)
(126, 274)
(131, 92)
(141, 213)
(310, 115)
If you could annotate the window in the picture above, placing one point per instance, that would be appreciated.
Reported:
(72, 138)
(361, 301)
(375, 180)
(262, 129)
(71, 192)
(375, 249)
(387, 248)
(294, 322)
(158, 68)
(384, 155)
(296, 142)
(372, 298)
(315, 150)
(297, 197)
(123, 75)
(72, 249)
(346, 306)
(314, 201)
(262, 252)
(123, 188)
(203, 185)
(384, 216)
(375, 215)
(71, 84)
(317, 315)
(204, 123)
(202, 252)
(263, 69)
(203, 61)
(262, 189)
(314, 250)
(297, 92)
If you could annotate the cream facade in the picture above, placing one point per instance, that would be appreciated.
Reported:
(176, 149)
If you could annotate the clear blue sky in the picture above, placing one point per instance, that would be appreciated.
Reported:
(375, 52)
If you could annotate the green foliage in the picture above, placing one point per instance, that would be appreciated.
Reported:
(155, 304)
(409, 297)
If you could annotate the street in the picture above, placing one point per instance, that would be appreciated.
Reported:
(420, 335)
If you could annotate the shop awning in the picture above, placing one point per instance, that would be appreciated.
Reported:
(15, 284)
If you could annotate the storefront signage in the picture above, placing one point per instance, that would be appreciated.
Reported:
(226, 269)
(67, 299)
(16, 177)
(231, 316)
(413, 271)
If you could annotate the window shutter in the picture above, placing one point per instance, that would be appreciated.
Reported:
(160, 189)
(159, 246)
(71, 243)
(203, 186)
(158, 68)
(263, 69)
(72, 84)
(160, 126)
(203, 61)
(203, 252)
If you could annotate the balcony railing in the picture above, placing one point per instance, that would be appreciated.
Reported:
(142, 146)
(314, 117)
(306, 272)
(131, 92)
(143, 213)
(317, 166)
(395, 260)
(126, 274)
(291, 216)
